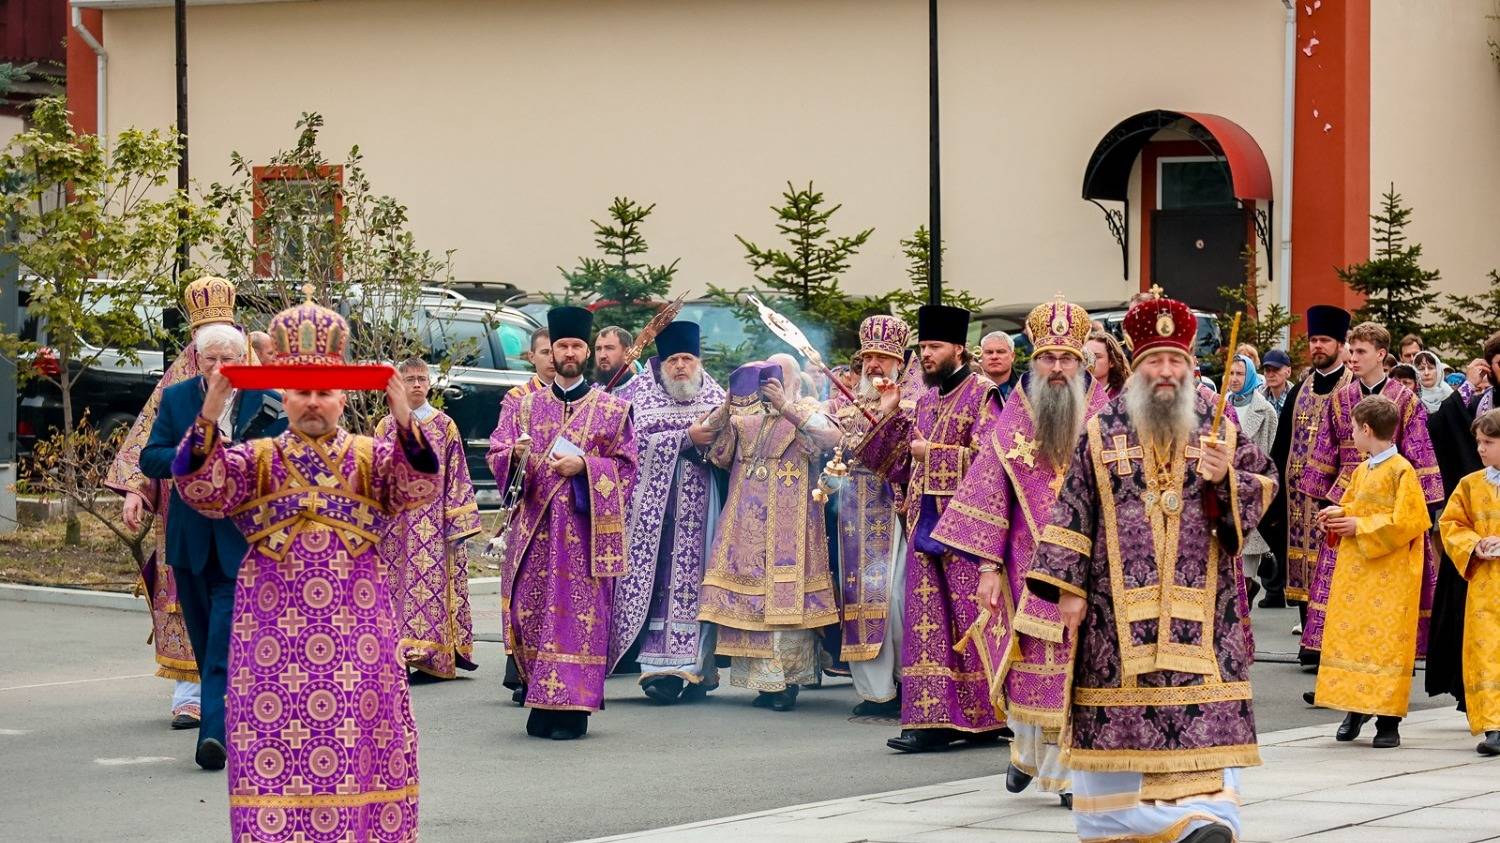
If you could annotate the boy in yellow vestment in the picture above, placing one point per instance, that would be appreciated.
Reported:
(1370, 637)
(1471, 532)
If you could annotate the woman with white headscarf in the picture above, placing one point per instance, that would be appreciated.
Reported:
(1432, 376)
(1258, 424)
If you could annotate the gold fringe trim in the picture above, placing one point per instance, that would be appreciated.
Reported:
(177, 675)
(1161, 760)
(1165, 787)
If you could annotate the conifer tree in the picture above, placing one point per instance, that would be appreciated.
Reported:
(621, 276)
(918, 252)
(1395, 286)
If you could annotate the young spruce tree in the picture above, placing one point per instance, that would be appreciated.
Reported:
(621, 277)
(1395, 286)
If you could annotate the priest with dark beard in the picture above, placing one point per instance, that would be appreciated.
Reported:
(925, 453)
(996, 520)
(1141, 559)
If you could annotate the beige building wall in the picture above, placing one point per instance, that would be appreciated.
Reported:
(505, 126)
(1435, 130)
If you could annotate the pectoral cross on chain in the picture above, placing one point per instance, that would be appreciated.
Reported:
(1123, 457)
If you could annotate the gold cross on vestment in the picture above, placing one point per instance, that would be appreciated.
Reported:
(926, 701)
(1308, 423)
(925, 628)
(943, 474)
(788, 474)
(926, 589)
(1024, 449)
(1122, 456)
(552, 683)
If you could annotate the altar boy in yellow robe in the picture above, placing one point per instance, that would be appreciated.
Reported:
(1471, 533)
(1370, 637)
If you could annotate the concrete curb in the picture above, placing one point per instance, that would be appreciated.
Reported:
(72, 597)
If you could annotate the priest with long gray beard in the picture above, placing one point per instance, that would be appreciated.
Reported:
(671, 519)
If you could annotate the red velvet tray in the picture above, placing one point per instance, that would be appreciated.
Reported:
(307, 376)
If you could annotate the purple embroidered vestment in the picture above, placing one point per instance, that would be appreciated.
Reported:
(566, 543)
(667, 528)
(1161, 682)
(940, 688)
(322, 745)
(426, 563)
(869, 530)
(998, 516)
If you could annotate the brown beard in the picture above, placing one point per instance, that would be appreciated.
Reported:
(1161, 419)
(1057, 415)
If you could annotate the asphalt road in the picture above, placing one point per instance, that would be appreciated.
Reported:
(86, 752)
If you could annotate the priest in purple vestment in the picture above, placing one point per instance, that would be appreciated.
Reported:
(767, 586)
(565, 545)
(426, 562)
(1332, 459)
(322, 745)
(1140, 558)
(944, 694)
(996, 520)
(871, 538)
(672, 516)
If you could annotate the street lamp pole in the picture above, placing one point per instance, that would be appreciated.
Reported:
(934, 180)
(171, 315)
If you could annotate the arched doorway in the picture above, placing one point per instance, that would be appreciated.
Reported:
(1205, 194)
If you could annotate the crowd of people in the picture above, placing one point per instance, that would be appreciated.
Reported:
(1062, 553)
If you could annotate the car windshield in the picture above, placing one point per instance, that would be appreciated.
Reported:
(717, 323)
(513, 338)
(466, 341)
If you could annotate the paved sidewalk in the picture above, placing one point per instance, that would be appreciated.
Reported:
(1434, 787)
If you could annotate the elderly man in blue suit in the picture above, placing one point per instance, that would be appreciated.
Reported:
(205, 553)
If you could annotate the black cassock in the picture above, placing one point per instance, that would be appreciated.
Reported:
(1453, 441)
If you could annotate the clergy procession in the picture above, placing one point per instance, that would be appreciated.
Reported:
(1054, 559)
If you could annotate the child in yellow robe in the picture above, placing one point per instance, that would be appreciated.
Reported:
(1370, 637)
(1471, 532)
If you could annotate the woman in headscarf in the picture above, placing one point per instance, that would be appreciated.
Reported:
(1431, 377)
(1258, 424)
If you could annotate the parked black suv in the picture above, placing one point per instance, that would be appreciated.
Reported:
(112, 390)
(487, 342)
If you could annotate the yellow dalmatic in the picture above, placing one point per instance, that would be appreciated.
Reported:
(1473, 513)
(1370, 641)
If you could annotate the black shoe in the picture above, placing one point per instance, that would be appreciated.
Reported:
(1308, 658)
(211, 754)
(1491, 743)
(518, 696)
(1211, 833)
(1016, 779)
(922, 740)
(889, 708)
(763, 699)
(1307, 697)
(663, 689)
(1253, 588)
(1066, 800)
(539, 723)
(185, 721)
(1387, 733)
(697, 691)
(784, 700)
(565, 733)
(1273, 600)
(980, 738)
(793, 690)
(1349, 729)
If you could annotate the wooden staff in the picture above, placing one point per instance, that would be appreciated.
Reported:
(1234, 341)
(662, 319)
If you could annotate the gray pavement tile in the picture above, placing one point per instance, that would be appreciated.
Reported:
(985, 835)
(1457, 819)
(1282, 820)
(1054, 819)
(1373, 834)
(1487, 802)
(1415, 790)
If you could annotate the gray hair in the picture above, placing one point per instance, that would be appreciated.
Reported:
(218, 335)
(999, 335)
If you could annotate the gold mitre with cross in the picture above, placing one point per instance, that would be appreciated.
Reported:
(208, 300)
(1058, 326)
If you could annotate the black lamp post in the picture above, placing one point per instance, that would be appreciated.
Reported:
(171, 314)
(934, 179)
